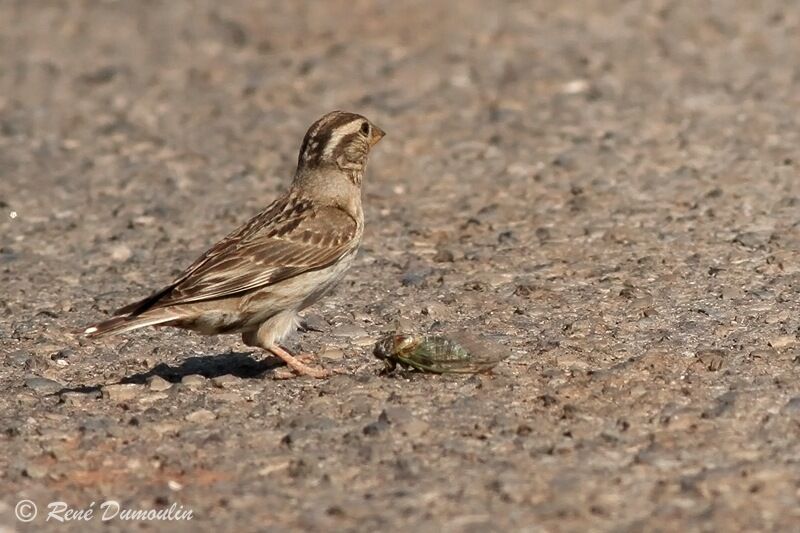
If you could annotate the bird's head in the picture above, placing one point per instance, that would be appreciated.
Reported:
(339, 140)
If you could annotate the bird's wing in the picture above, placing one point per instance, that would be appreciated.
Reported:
(290, 237)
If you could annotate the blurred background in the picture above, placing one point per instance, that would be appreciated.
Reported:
(607, 187)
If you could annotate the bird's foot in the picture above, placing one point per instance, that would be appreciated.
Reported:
(297, 365)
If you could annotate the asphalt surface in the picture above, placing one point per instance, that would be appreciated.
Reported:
(608, 189)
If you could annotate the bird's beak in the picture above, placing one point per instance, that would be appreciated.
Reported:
(377, 135)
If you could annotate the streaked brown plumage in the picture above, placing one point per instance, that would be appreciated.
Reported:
(255, 280)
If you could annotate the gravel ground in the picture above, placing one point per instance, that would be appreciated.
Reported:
(607, 188)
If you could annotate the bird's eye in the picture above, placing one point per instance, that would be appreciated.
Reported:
(365, 128)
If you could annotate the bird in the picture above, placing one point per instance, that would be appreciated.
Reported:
(256, 279)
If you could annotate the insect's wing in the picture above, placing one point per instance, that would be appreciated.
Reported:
(483, 354)
(462, 353)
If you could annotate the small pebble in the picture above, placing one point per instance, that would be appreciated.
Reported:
(363, 341)
(158, 384)
(414, 277)
(543, 234)
(404, 420)
(444, 255)
(225, 381)
(576, 86)
(66, 353)
(276, 465)
(764, 353)
(403, 324)
(230, 397)
(711, 358)
(732, 293)
(200, 416)
(122, 391)
(783, 341)
(43, 385)
(435, 310)
(35, 471)
(121, 253)
(362, 317)
(330, 353)
(396, 414)
(373, 428)
(575, 361)
(752, 239)
(414, 427)
(153, 397)
(18, 357)
(193, 380)
(144, 220)
(776, 318)
(79, 398)
(792, 407)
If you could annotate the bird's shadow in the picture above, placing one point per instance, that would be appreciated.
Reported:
(239, 364)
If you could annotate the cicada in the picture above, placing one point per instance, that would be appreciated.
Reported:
(462, 353)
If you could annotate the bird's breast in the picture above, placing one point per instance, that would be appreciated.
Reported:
(297, 292)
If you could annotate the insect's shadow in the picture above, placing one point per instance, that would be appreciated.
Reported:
(240, 364)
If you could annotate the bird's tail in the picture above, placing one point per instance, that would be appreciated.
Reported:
(121, 324)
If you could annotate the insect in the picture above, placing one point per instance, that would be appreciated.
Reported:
(458, 354)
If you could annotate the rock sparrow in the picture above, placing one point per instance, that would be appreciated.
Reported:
(255, 280)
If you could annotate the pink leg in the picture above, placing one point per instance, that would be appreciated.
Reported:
(295, 364)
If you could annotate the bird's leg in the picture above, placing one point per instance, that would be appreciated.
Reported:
(298, 366)
(266, 337)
